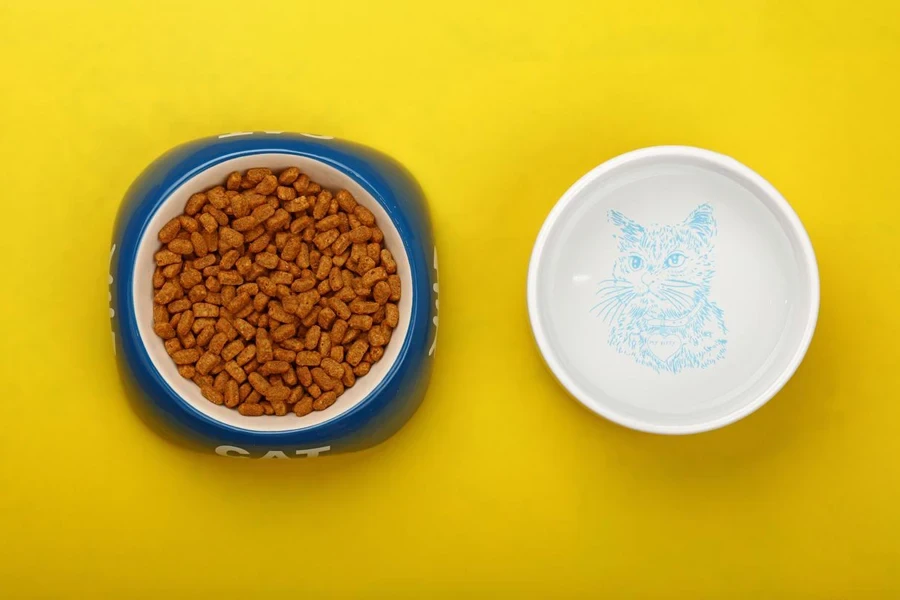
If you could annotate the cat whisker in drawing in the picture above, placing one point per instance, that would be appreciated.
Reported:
(657, 302)
(614, 295)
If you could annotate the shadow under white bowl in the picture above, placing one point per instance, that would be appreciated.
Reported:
(638, 366)
(329, 178)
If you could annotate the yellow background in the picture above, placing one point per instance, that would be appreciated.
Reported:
(500, 486)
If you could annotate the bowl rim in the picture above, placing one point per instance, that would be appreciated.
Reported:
(794, 230)
(183, 169)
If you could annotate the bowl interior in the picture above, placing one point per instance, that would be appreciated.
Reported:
(673, 290)
(328, 177)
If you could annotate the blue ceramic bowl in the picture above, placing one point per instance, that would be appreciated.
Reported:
(366, 414)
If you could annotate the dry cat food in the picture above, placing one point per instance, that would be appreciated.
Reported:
(273, 294)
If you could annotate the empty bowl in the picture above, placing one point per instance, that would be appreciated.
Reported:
(366, 413)
(673, 290)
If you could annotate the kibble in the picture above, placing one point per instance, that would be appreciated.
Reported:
(272, 294)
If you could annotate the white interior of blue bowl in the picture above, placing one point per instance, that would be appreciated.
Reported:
(329, 178)
(673, 290)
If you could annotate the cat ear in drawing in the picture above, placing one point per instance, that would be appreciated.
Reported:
(702, 222)
(631, 231)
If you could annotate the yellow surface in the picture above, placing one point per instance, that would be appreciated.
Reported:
(501, 486)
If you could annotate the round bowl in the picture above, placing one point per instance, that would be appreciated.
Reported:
(673, 290)
(367, 413)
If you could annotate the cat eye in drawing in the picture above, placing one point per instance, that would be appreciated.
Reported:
(673, 290)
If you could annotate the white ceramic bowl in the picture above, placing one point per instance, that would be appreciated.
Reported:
(673, 290)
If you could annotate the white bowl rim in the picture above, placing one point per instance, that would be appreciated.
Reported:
(795, 231)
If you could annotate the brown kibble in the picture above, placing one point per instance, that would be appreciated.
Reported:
(387, 260)
(262, 212)
(364, 265)
(177, 306)
(346, 201)
(394, 282)
(169, 231)
(185, 323)
(166, 257)
(260, 243)
(304, 376)
(351, 335)
(246, 355)
(267, 260)
(303, 406)
(240, 265)
(206, 363)
(195, 203)
(391, 315)
(235, 371)
(326, 318)
(285, 193)
(278, 221)
(170, 271)
(208, 222)
(284, 332)
(230, 238)
(217, 343)
(324, 401)
(362, 369)
(364, 215)
(377, 337)
(230, 278)
(232, 394)
(381, 292)
(185, 357)
(267, 185)
(284, 354)
(330, 222)
(312, 337)
(301, 184)
(356, 352)
(373, 276)
(229, 259)
(205, 334)
(289, 176)
(361, 322)
(332, 368)
(244, 223)
(341, 243)
(375, 354)
(291, 248)
(360, 235)
(239, 302)
(323, 203)
(212, 395)
(326, 238)
(308, 359)
(363, 307)
(324, 268)
(160, 314)
(234, 181)
(204, 309)
(259, 383)
(251, 410)
(166, 293)
(264, 350)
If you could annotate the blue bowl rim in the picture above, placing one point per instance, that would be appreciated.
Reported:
(130, 336)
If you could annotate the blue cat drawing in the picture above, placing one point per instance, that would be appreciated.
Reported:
(658, 301)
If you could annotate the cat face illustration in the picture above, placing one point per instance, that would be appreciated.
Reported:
(663, 269)
(657, 300)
